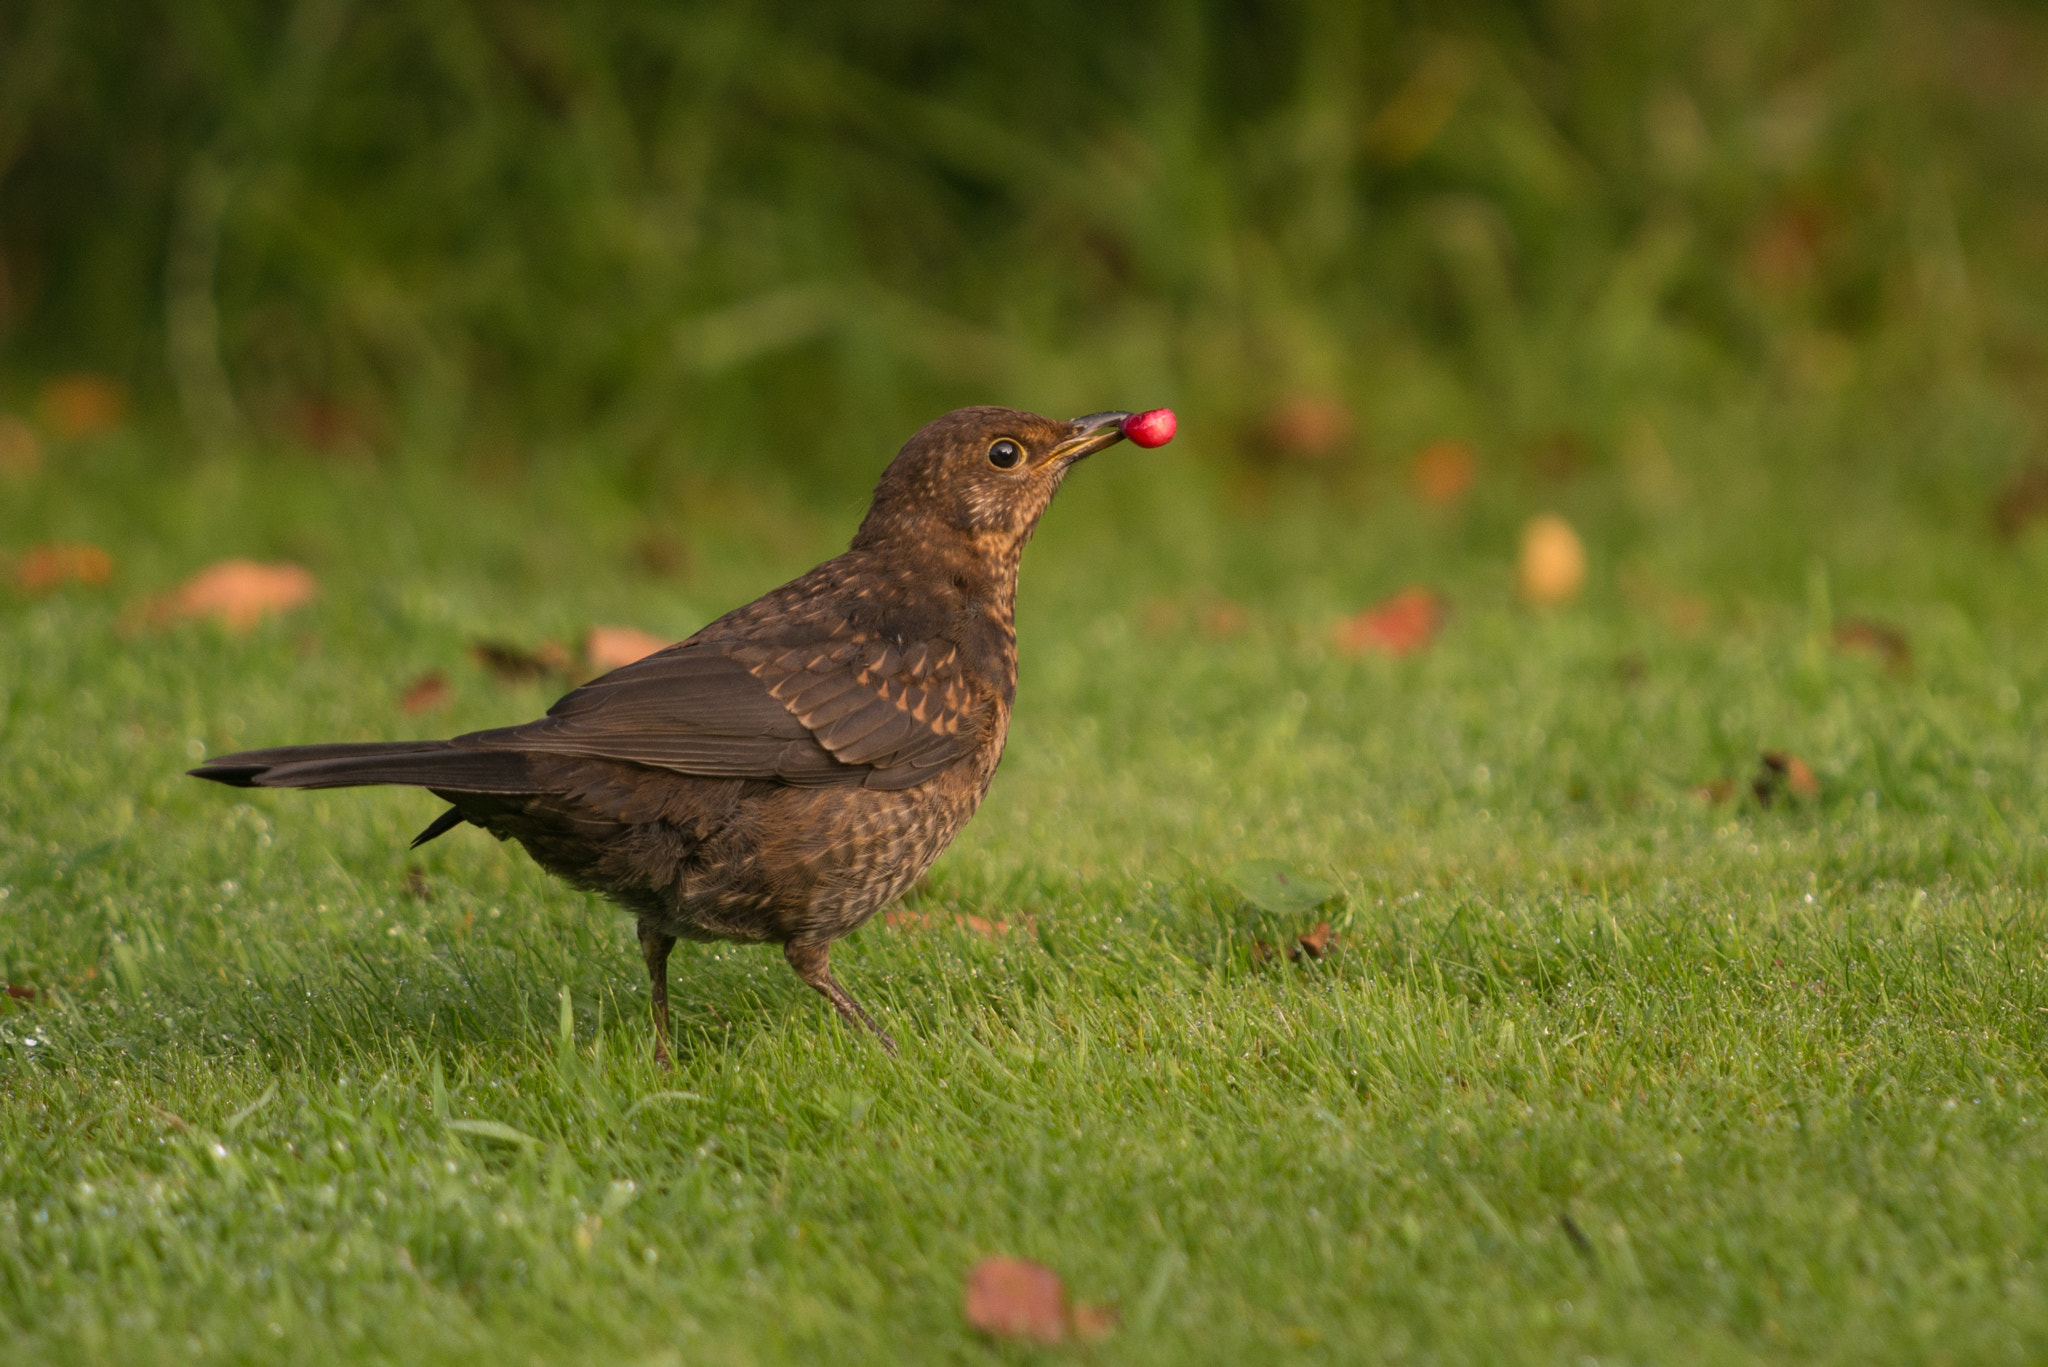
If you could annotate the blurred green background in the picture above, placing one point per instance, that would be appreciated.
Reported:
(670, 242)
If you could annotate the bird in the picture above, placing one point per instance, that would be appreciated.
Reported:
(797, 764)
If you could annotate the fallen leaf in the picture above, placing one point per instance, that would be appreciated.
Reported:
(661, 555)
(21, 451)
(1093, 1323)
(1223, 619)
(2021, 501)
(1315, 944)
(1552, 567)
(512, 663)
(1271, 885)
(1443, 471)
(44, 568)
(1016, 1298)
(82, 405)
(1888, 643)
(1307, 427)
(1560, 455)
(20, 993)
(240, 593)
(912, 920)
(1716, 792)
(429, 691)
(1400, 625)
(1783, 771)
(609, 648)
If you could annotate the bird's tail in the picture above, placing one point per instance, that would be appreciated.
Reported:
(437, 764)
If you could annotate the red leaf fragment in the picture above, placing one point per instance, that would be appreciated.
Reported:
(43, 568)
(429, 691)
(609, 648)
(240, 593)
(1154, 427)
(1016, 1298)
(21, 993)
(1400, 625)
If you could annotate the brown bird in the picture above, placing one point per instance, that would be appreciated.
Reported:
(797, 764)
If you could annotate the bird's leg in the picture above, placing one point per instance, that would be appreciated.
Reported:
(812, 960)
(654, 947)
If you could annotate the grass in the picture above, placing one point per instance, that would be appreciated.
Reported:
(1598, 1068)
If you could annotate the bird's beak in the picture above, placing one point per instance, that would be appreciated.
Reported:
(1089, 435)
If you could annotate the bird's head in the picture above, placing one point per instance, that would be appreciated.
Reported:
(982, 476)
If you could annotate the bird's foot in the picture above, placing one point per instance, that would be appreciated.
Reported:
(812, 961)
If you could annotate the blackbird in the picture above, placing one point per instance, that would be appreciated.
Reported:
(797, 764)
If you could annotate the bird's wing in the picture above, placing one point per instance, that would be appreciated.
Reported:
(837, 711)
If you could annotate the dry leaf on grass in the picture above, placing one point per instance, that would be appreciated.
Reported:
(1887, 643)
(906, 919)
(515, 663)
(82, 405)
(1307, 427)
(1400, 625)
(21, 993)
(609, 648)
(1552, 567)
(43, 568)
(1016, 1298)
(240, 593)
(1782, 771)
(1315, 944)
(21, 451)
(1443, 471)
(2021, 501)
(429, 691)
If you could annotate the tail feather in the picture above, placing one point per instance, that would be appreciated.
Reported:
(440, 826)
(419, 764)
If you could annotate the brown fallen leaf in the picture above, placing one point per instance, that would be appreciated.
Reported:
(240, 593)
(21, 450)
(82, 405)
(1307, 427)
(2021, 501)
(1783, 771)
(1223, 619)
(1443, 471)
(907, 919)
(1400, 625)
(1887, 643)
(1016, 1298)
(43, 568)
(609, 648)
(1094, 1323)
(515, 663)
(1315, 944)
(429, 691)
(21, 993)
(1552, 565)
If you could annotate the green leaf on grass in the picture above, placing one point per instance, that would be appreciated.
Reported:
(492, 1129)
(1275, 886)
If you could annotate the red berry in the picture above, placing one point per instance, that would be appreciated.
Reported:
(1155, 428)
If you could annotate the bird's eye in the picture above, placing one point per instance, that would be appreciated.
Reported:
(1005, 454)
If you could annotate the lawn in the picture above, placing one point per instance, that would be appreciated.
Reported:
(1597, 1066)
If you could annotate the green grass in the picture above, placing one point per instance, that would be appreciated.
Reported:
(1597, 1069)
